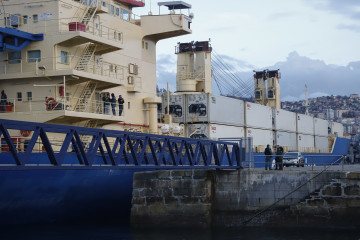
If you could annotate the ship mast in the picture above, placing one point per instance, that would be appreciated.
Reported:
(306, 101)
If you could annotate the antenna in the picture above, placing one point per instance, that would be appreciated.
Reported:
(306, 101)
(150, 13)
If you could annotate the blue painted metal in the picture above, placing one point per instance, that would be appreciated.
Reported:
(130, 150)
(14, 39)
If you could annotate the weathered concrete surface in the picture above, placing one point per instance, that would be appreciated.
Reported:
(336, 204)
(172, 198)
(204, 198)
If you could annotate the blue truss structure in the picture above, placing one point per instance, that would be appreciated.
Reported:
(127, 149)
(14, 39)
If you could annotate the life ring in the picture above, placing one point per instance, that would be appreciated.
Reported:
(25, 133)
(50, 103)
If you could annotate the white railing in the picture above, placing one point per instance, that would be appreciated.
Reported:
(39, 66)
(54, 26)
(93, 28)
(53, 104)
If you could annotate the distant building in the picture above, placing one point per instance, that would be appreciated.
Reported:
(354, 95)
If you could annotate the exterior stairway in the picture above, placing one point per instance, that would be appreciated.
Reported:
(86, 57)
(84, 102)
(89, 13)
(86, 139)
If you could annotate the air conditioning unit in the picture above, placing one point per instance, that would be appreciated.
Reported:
(130, 80)
(133, 69)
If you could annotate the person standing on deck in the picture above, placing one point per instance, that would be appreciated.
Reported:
(113, 103)
(268, 156)
(121, 104)
(3, 101)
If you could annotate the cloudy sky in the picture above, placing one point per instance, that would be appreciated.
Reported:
(313, 42)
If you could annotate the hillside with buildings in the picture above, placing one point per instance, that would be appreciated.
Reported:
(344, 109)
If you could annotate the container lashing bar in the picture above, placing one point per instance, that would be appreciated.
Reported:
(113, 148)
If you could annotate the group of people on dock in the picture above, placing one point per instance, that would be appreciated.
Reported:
(279, 152)
(111, 101)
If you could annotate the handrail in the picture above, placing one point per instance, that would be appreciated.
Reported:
(98, 67)
(130, 149)
(53, 104)
(291, 192)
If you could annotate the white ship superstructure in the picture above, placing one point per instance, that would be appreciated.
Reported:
(89, 48)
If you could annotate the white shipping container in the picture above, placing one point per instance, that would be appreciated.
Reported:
(287, 140)
(261, 138)
(225, 110)
(258, 116)
(177, 106)
(215, 131)
(337, 129)
(321, 127)
(322, 144)
(211, 108)
(284, 120)
(305, 124)
(306, 143)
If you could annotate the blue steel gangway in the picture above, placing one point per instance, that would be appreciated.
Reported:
(107, 148)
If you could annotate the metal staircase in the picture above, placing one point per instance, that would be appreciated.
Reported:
(84, 102)
(85, 16)
(86, 57)
(89, 13)
(85, 139)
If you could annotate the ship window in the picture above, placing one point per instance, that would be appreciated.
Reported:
(19, 96)
(34, 56)
(35, 18)
(14, 57)
(103, 3)
(25, 19)
(64, 57)
(118, 12)
(112, 9)
(29, 96)
(125, 14)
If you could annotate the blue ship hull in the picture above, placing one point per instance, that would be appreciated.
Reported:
(31, 196)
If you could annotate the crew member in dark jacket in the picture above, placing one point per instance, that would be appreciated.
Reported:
(268, 156)
(3, 101)
(113, 104)
(279, 158)
(121, 104)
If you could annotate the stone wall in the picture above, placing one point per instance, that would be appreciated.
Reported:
(336, 204)
(172, 198)
(203, 198)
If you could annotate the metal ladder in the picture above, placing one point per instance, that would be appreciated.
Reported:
(86, 57)
(83, 104)
(89, 13)
(85, 139)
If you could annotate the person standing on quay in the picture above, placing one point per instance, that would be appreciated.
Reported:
(121, 104)
(279, 158)
(268, 156)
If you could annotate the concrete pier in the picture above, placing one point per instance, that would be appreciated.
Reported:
(206, 198)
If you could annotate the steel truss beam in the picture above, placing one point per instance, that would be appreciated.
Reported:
(127, 149)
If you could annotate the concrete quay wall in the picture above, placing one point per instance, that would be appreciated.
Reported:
(205, 198)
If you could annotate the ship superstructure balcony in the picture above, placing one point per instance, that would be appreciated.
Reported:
(157, 27)
(105, 73)
(74, 33)
(62, 109)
